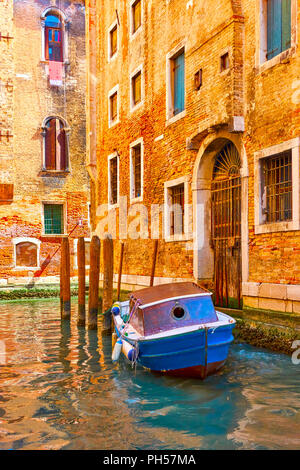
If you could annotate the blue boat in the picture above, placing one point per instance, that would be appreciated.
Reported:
(173, 329)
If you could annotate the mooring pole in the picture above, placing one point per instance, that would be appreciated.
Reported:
(65, 279)
(154, 262)
(94, 283)
(108, 267)
(81, 281)
(120, 270)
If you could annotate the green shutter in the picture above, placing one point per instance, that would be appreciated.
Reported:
(286, 24)
(274, 28)
(53, 218)
(179, 84)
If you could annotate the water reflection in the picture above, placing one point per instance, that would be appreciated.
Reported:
(59, 389)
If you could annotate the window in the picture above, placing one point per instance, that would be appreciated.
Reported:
(136, 15)
(136, 170)
(277, 187)
(53, 219)
(26, 254)
(55, 145)
(176, 209)
(278, 27)
(176, 84)
(113, 106)
(225, 62)
(137, 88)
(53, 38)
(113, 40)
(113, 179)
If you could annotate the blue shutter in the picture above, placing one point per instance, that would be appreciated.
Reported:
(286, 24)
(178, 84)
(274, 28)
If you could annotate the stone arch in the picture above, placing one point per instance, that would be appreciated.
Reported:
(201, 187)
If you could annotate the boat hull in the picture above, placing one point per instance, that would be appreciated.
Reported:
(198, 353)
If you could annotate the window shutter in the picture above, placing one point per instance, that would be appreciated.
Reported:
(53, 218)
(50, 145)
(179, 84)
(286, 24)
(274, 28)
(61, 143)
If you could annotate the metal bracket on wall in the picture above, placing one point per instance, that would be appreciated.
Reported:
(7, 135)
(7, 38)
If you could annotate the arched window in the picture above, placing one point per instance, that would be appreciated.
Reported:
(55, 145)
(26, 254)
(53, 38)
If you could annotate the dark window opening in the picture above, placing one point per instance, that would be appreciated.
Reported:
(136, 15)
(137, 170)
(113, 41)
(114, 180)
(225, 64)
(114, 107)
(277, 187)
(137, 88)
(177, 210)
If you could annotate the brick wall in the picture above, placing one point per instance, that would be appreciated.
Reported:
(33, 100)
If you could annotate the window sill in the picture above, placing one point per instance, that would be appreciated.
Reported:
(57, 173)
(134, 200)
(26, 268)
(289, 226)
(177, 238)
(113, 123)
(175, 118)
(136, 33)
(278, 59)
(136, 106)
(53, 235)
(112, 206)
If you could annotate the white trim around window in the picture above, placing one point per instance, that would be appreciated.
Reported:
(110, 56)
(134, 107)
(294, 224)
(34, 241)
(170, 117)
(132, 34)
(114, 90)
(168, 202)
(109, 158)
(132, 182)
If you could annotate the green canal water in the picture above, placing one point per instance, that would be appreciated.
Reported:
(60, 390)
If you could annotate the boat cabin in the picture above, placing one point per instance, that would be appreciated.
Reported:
(170, 306)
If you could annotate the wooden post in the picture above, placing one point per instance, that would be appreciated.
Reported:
(108, 266)
(120, 270)
(94, 283)
(65, 279)
(81, 281)
(154, 262)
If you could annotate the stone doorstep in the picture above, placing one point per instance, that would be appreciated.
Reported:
(272, 291)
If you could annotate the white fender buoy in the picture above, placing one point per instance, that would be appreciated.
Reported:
(129, 351)
(117, 351)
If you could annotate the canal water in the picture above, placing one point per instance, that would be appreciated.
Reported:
(60, 390)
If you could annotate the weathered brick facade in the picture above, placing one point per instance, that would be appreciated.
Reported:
(254, 104)
(24, 108)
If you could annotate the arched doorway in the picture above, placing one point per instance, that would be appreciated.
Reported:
(226, 226)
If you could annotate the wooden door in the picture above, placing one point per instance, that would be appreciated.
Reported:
(226, 227)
